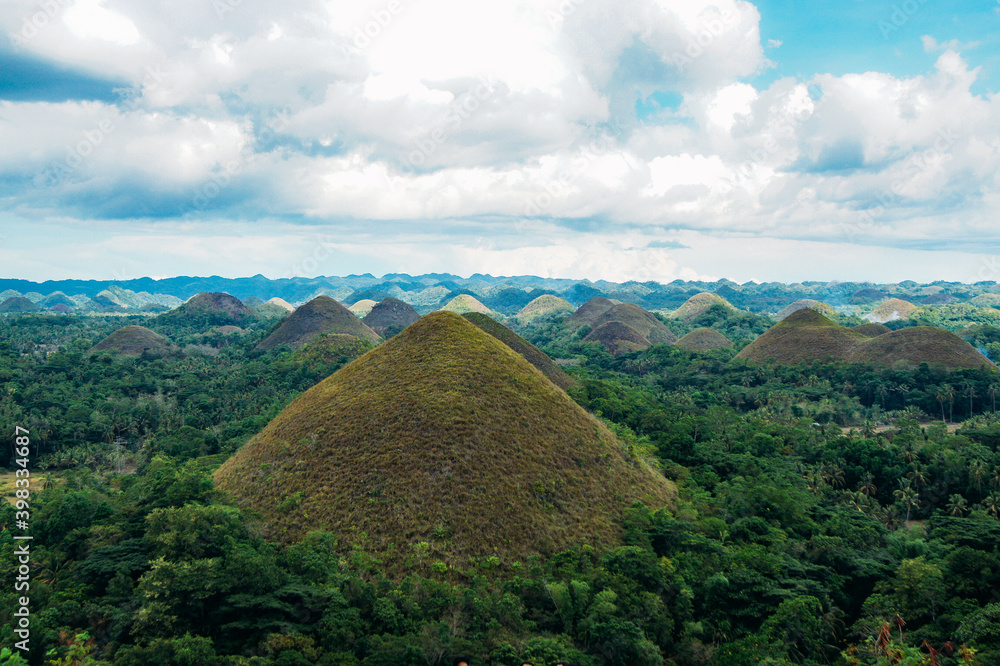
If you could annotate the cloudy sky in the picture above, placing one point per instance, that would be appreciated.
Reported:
(602, 139)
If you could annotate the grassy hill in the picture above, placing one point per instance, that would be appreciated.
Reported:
(328, 348)
(391, 315)
(320, 315)
(818, 306)
(18, 304)
(891, 310)
(363, 307)
(133, 341)
(205, 311)
(446, 437)
(641, 320)
(546, 306)
(703, 339)
(806, 335)
(281, 303)
(589, 311)
(698, 304)
(530, 352)
(618, 338)
(465, 303)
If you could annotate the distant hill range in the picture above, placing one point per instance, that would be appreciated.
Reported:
(441, 436)
(806, 335)
(507, 296)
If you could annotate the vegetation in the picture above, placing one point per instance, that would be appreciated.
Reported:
(320, 315)
(530, 352)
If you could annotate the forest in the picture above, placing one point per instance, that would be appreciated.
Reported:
(828, 513)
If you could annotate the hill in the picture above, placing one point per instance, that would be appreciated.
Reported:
(546, 306)
(618, 338)
(363, 307)
(465, 303)
(530, 352)
(804, 335)
(891, 310)
(698, 304)
(206, 310)
(391, 315)
(987, 300)
(18, 304)
(328, 348)
(818, 306)
(807, 335)
(320, 315)
(446, 437)
(703, 339)
(643, 321)
(921, 344)
(133, 341)
(589, 311)
(870, 330)
(281, 303)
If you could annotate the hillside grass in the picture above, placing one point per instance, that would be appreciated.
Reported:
(618, 338)
(703, 339)
(133, 341)
(698, 304)
(530, 352)
(320, 315)
(441, 436)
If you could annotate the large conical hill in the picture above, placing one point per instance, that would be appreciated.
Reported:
(703, 339)
(921, 344)
(640, 319)
(618, 338)
(466, 303)
(205, 311)
(804, 303)
(390, 315)
(804, 335)
(18, 304)
(133, 341)
(589, 311)
(545, 306)
(698, 304)
(891, 310)
(441, 435)
(320, 315)
(530, 352)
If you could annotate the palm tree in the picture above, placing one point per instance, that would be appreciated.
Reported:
(995, 479)
(956, 506)
(977, 470)
(868, 486)
(970, 391)
(910, 500)
(833, 475)
(992, 392)
(918, 477)
(992, 503)
(949, 394)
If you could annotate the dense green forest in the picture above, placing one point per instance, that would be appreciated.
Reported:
(828, 514)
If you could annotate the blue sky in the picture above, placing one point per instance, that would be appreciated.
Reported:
(605, 139)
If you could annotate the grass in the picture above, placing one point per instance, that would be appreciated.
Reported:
(442, 435)
(8, 484)
(871, 330)
(806, 335)
(803, 303)
(643, 321)
(465, 303)
(703, 339)
(132, 341)
(589, 311)
(544, 307)
(894, 308)
(320, 315)
(327, 348)
(618, 338)
(391, 312)
(530, 352)
(698, 304)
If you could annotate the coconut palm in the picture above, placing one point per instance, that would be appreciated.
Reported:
(977, 472)
(868, 486)
(910, 500)
(992, 504)
(956, 506)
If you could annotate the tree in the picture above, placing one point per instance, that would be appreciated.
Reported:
(909, 498)
(956, 505)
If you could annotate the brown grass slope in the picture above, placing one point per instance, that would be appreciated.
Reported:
(871, 330)
(818, 306)
(703, 339)
(530, 352)
(891, 310)
(618, 338)
(589, 311)
(328, 348)
(281, 303)
(641, 320)
(320, 315)
(216, 303)
(18, 304)
(390, 312)
(544, 307)
(921, 344)
(465, 303)
(132, 341)
(441, 435)
(698, 304)
(363, 307)
(804, 335)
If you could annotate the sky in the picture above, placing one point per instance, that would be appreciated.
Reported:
(601, 139)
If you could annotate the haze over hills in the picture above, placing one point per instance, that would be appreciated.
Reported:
(442, 435)
(320, 315)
